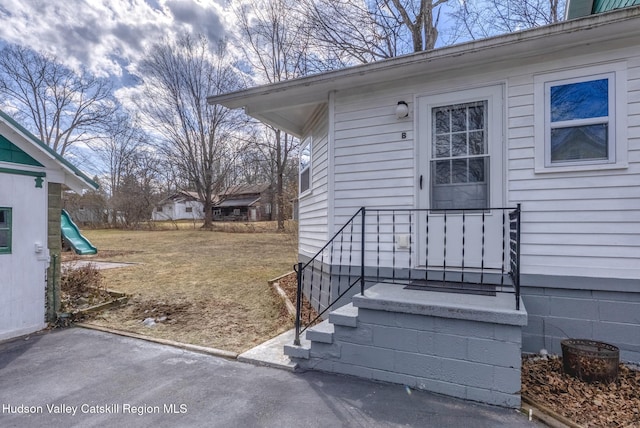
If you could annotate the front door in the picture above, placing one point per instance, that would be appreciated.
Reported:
(460, 179)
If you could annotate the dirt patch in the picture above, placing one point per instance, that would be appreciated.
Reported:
(616, 404)
(289, 285)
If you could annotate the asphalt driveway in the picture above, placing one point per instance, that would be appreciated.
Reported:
(80, 377)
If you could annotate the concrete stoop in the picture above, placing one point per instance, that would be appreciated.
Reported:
(453, 344)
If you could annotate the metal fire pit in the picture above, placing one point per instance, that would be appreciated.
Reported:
(589, 360)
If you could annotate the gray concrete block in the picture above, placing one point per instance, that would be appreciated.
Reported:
(416, 322)
(324, 350)
(370, 316)
(319, 364)
(616, 296)
(426, 340)
(322, 332)
(575, 308)
(507, 333)
(532, 343)
(612, 332)
(464, 327)
(507, 380)
(346, 316)
(531, 291)
(502, 354)
(535, 325)
(566, 327)
(367, 356)
(623, 312)
(537, 304)
(363, 335)
(450, 346)
(467, 373)
(352, 370)
(421, 365)
(630, 356)
(297, 351)
(393, 377)
(401, 339)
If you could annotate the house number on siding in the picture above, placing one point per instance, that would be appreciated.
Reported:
(403, 135)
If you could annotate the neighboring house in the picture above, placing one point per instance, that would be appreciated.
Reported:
(31, 180)
(89, 208)
(243, 202)
(440, 148)
(182, 205)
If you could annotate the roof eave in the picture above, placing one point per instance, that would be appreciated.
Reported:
(74, 178)
(273, 103)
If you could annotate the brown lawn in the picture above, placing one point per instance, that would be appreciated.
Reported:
(201, 287)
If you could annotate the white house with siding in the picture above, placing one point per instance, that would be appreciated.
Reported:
(31, 179)
(548, 118)
(181, 205)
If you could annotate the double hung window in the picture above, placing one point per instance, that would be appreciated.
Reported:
(5, 230)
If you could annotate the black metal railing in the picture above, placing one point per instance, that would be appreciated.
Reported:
(474, 251)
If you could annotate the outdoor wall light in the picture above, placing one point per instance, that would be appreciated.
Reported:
(402, 110)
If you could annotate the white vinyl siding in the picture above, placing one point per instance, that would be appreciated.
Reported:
(313, 212)
(581, 221)
(374, 165)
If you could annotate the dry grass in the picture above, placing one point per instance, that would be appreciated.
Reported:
(211, 286)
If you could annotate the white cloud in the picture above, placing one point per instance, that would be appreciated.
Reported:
(105, 35)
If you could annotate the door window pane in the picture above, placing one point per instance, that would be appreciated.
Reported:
(460, 160)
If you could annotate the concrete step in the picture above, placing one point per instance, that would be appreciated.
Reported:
(322, 332)
(346, 316)
(301, 351)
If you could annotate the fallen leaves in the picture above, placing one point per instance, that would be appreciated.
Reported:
(597, 404)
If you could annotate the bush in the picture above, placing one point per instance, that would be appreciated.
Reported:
(79, 280)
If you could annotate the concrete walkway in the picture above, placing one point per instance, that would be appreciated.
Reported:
(110, 380)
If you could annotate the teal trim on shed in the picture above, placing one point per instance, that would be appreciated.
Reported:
(48, 149)
(600, 6)
(580, 8)
(11, 153)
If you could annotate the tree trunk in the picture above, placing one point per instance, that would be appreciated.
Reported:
(208, 213)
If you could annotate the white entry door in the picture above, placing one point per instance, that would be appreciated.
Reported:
(460, 178)
(23, 262)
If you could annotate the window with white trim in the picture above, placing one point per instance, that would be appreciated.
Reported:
(580, 119)
(5, 230)
(305, 168)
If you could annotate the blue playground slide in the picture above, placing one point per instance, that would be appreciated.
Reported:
(72, 235)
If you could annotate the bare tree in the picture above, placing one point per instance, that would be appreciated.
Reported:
(120, 150)
(276, 44)
(369, 30)
(137, 191)
(60, 106)
(197, 138)
(493, 17)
